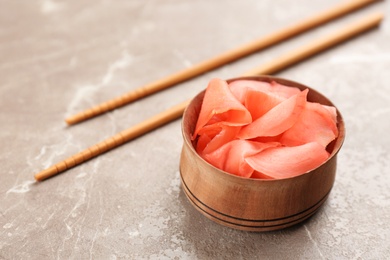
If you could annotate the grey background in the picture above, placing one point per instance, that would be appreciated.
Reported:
(60, 57)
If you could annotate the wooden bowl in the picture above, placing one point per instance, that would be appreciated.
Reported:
(255, 204)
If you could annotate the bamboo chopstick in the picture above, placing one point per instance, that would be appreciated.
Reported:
(317, 46)
(224, 58)
(114, 141)
(175, 112)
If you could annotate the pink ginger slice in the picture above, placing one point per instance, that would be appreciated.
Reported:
(240, 88)
(221, 106)
(212, 137)
(231, 156)
(284, 162)
(283, 91)
(278, 119)
(315, 124)
(258, 103)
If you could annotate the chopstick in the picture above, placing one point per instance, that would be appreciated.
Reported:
(224, 58)
(175, 112)
(321, 44)
(114, 141)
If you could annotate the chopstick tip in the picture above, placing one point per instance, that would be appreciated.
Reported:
(45, 174)
(72, 120)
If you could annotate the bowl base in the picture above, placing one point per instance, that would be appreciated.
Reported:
(247, 224)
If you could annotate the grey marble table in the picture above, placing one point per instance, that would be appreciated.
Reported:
(59, 57)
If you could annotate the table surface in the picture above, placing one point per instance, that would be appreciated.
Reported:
(60, 57)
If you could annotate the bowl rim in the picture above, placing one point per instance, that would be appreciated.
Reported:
(338, 142)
